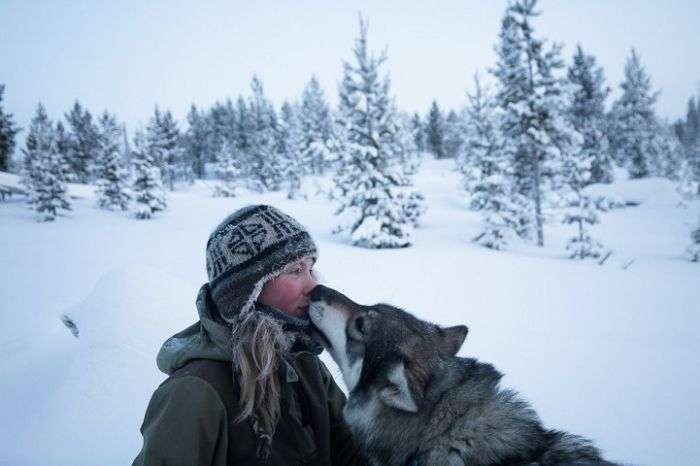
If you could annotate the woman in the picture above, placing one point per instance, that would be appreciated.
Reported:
(245, 383)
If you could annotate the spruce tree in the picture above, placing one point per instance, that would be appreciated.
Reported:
(486, 171)
(634, 120)
(435, 132)
(84, 137)
(290, 145)
(8, 131)
(112, 178)
(581, 210)
(164, 143)
(688, 133)
(198, 141)
(44, 169)
(63, 146)
(149, 196)
(265, 166)
(227, 169)
(315, 125)
(534, 103)
(375, 193)
(587, 113)
(454, 134)
(418, 132)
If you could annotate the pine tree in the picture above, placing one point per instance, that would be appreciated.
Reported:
(486, 171)
(164, 143)
(8, 131)
(63, 146)
(435, 132)
(198, 141)
(418, 132)
(84, 137)
(112, 178)
(149, 195)
(227, 169)
(265, 166)
(315, 125)
(454, 134)
(688, 133)
(534, 103)
(375, 193)
(634, 120)
(290, 145)
(581, 210)
(587, 113)
(44, 169)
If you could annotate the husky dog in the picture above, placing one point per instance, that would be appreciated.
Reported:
(412, 401)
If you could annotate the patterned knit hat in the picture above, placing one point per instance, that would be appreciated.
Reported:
(249, 248)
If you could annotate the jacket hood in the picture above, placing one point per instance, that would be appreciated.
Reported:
(206, 339)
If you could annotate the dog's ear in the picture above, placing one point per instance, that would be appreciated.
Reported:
(398, 394)
(453, 338)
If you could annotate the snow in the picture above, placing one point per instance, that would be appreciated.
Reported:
(602, 351)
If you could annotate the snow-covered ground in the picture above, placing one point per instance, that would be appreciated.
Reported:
(602, 351)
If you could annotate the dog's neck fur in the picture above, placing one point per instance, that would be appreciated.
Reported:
(428, 426)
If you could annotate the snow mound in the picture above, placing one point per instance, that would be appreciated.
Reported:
(100, 403)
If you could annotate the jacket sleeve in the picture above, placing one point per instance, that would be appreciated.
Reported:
(344, 450)
(185, 424)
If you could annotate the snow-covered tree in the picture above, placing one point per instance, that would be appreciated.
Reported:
(435, 131)
(534, 102)
(315, 125)
(264, 163)
(693, 251)
(198, 141)
(486, 171)
(454, 134)
(633, 136)
(164, 142)
(149, 196)
(44, 169)
(581, 211)
(85, 144)
(587, 113)
(112, 178)
(688, 133)
(227, 169)
(8, 131)
(418, 132)
(375, 193)
(290, 145)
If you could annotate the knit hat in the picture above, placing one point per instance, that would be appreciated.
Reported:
(249, 248)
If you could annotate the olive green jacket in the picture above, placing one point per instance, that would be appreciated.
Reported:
(190, 418)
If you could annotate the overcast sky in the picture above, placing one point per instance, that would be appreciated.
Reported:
(128, 56)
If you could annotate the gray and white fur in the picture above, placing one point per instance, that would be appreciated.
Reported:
(412, 401)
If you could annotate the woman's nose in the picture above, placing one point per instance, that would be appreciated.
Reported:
(309, 284)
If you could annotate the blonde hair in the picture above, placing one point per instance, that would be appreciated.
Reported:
(258, 340)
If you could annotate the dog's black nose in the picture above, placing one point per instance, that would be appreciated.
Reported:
(319, 292)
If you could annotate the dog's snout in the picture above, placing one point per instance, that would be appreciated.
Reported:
(319, 293)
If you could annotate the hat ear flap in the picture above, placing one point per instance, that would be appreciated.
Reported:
(397, 393)
(453, 338)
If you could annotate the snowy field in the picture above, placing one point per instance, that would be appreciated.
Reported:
(602, 351)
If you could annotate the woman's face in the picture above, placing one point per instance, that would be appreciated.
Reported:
(289, 291)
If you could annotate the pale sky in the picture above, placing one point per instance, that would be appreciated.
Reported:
(128, 56)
